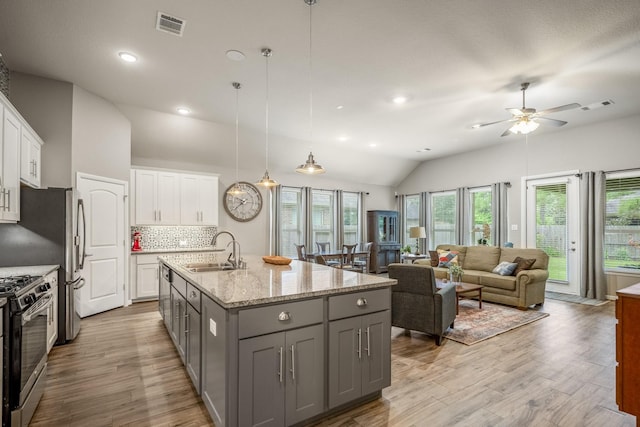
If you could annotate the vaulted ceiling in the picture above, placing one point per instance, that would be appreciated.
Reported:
(457, 62)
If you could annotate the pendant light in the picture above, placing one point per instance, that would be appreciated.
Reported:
(236, 190)
(310, 167)
(266, 180)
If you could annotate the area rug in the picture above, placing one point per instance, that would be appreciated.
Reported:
(574, 298)
(473, 325)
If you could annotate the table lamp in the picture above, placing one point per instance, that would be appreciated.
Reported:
(417, 233)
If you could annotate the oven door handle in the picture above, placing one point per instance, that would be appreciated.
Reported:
(28, 315)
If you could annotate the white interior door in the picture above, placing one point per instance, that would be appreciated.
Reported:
(552, 224)
(104, 234)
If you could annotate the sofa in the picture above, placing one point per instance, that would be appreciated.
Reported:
(521, 290)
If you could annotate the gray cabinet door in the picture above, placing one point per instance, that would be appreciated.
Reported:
(376, 352)
(345, 374)
(192, 345)
(164, 301)
(304, 391)
(178, 305)
(215, 366)
(262, 379)
(359, 356)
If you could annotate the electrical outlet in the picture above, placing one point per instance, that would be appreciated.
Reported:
(213, 327)
(182, 243)
(514, 227)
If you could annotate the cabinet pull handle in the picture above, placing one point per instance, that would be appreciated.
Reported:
(186, 324)
(284, 316)
(8, 200)
(359, 343)
(293, 363)
(280, 369)
(177, 306)
(160, 215)
(368, 343)
(35, 168)
(361, 302)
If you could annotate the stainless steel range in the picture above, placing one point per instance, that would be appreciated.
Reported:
(29, 298)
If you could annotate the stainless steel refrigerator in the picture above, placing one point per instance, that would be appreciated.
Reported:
(50, 231)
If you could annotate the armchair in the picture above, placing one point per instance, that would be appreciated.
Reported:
(416, 303)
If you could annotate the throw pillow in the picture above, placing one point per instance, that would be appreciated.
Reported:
(523, 264)
(505, 268)
(435, 259)
(447, 258)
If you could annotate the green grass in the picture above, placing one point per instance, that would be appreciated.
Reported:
(557, 266)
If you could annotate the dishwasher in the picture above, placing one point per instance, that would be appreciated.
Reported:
(164, 294)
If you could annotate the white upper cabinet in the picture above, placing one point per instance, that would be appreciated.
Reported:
(30, 153)
(198, 200)
(10, 166)
(156, 197)
(172, 198)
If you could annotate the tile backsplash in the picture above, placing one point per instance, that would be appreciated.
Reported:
(5, 78)
(172, 237)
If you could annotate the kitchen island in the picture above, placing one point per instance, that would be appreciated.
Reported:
(277, 344)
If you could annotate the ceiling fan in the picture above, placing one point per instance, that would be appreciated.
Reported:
(528, 119)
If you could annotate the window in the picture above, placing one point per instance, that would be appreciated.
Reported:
(481, 226)
(622, 221)
(323, 217)
(412, 216)
(306, 216)
(443, 218)
(291, 223)
(351, 218)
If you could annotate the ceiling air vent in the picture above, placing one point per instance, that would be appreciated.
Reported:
(597, 105)
(170, 24)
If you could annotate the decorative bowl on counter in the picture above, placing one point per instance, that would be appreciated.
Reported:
(277, 260)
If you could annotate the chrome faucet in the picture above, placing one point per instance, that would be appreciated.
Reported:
(237, 259)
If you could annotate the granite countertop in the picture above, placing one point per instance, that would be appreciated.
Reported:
(3, 302)
(32, 270)
(262, 283)
(172, 250)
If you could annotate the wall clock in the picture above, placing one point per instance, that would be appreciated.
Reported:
(243, 207)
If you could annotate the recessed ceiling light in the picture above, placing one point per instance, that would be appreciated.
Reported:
(183, 110)
(127, 57)
(373, 144)
(339, 107)
(400, 99)
(235, 55)
(343, 138)
(423, 150)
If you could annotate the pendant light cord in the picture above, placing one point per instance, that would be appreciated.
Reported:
(237, 86)
(311, 3)
(267, 54)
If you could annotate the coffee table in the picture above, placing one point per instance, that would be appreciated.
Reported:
(463, 288)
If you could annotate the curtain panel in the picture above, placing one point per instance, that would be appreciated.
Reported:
(593, 283)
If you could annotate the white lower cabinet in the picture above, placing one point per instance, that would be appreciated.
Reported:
(144, 277)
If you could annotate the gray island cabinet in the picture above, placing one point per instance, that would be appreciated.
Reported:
(278, 345)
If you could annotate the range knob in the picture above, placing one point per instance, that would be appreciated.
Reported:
(29, 299)
(44, 287)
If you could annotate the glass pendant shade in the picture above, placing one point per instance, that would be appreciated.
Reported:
(266, 181)
(310, 167)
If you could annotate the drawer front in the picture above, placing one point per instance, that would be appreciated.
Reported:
(276, 318)
(358, 303)
(193, 296)
(146, 259)
(180, 284)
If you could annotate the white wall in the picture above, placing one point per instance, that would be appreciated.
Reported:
(47, 105)
(101, 137)
(604, 146)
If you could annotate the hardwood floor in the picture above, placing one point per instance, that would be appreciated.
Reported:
(559, 371)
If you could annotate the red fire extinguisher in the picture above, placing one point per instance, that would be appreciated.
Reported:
(136, 241)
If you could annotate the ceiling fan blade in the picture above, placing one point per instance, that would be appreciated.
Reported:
(551, 122)
(507, 132)
(481, 125)
(560, 108)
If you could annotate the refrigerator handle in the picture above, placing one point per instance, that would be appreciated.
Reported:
(81, 256)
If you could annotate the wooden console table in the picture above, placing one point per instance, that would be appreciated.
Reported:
(628, 350)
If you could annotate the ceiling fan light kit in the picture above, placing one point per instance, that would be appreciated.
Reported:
(529, 119)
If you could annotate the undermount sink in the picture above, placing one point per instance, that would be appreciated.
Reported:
(200, 267)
